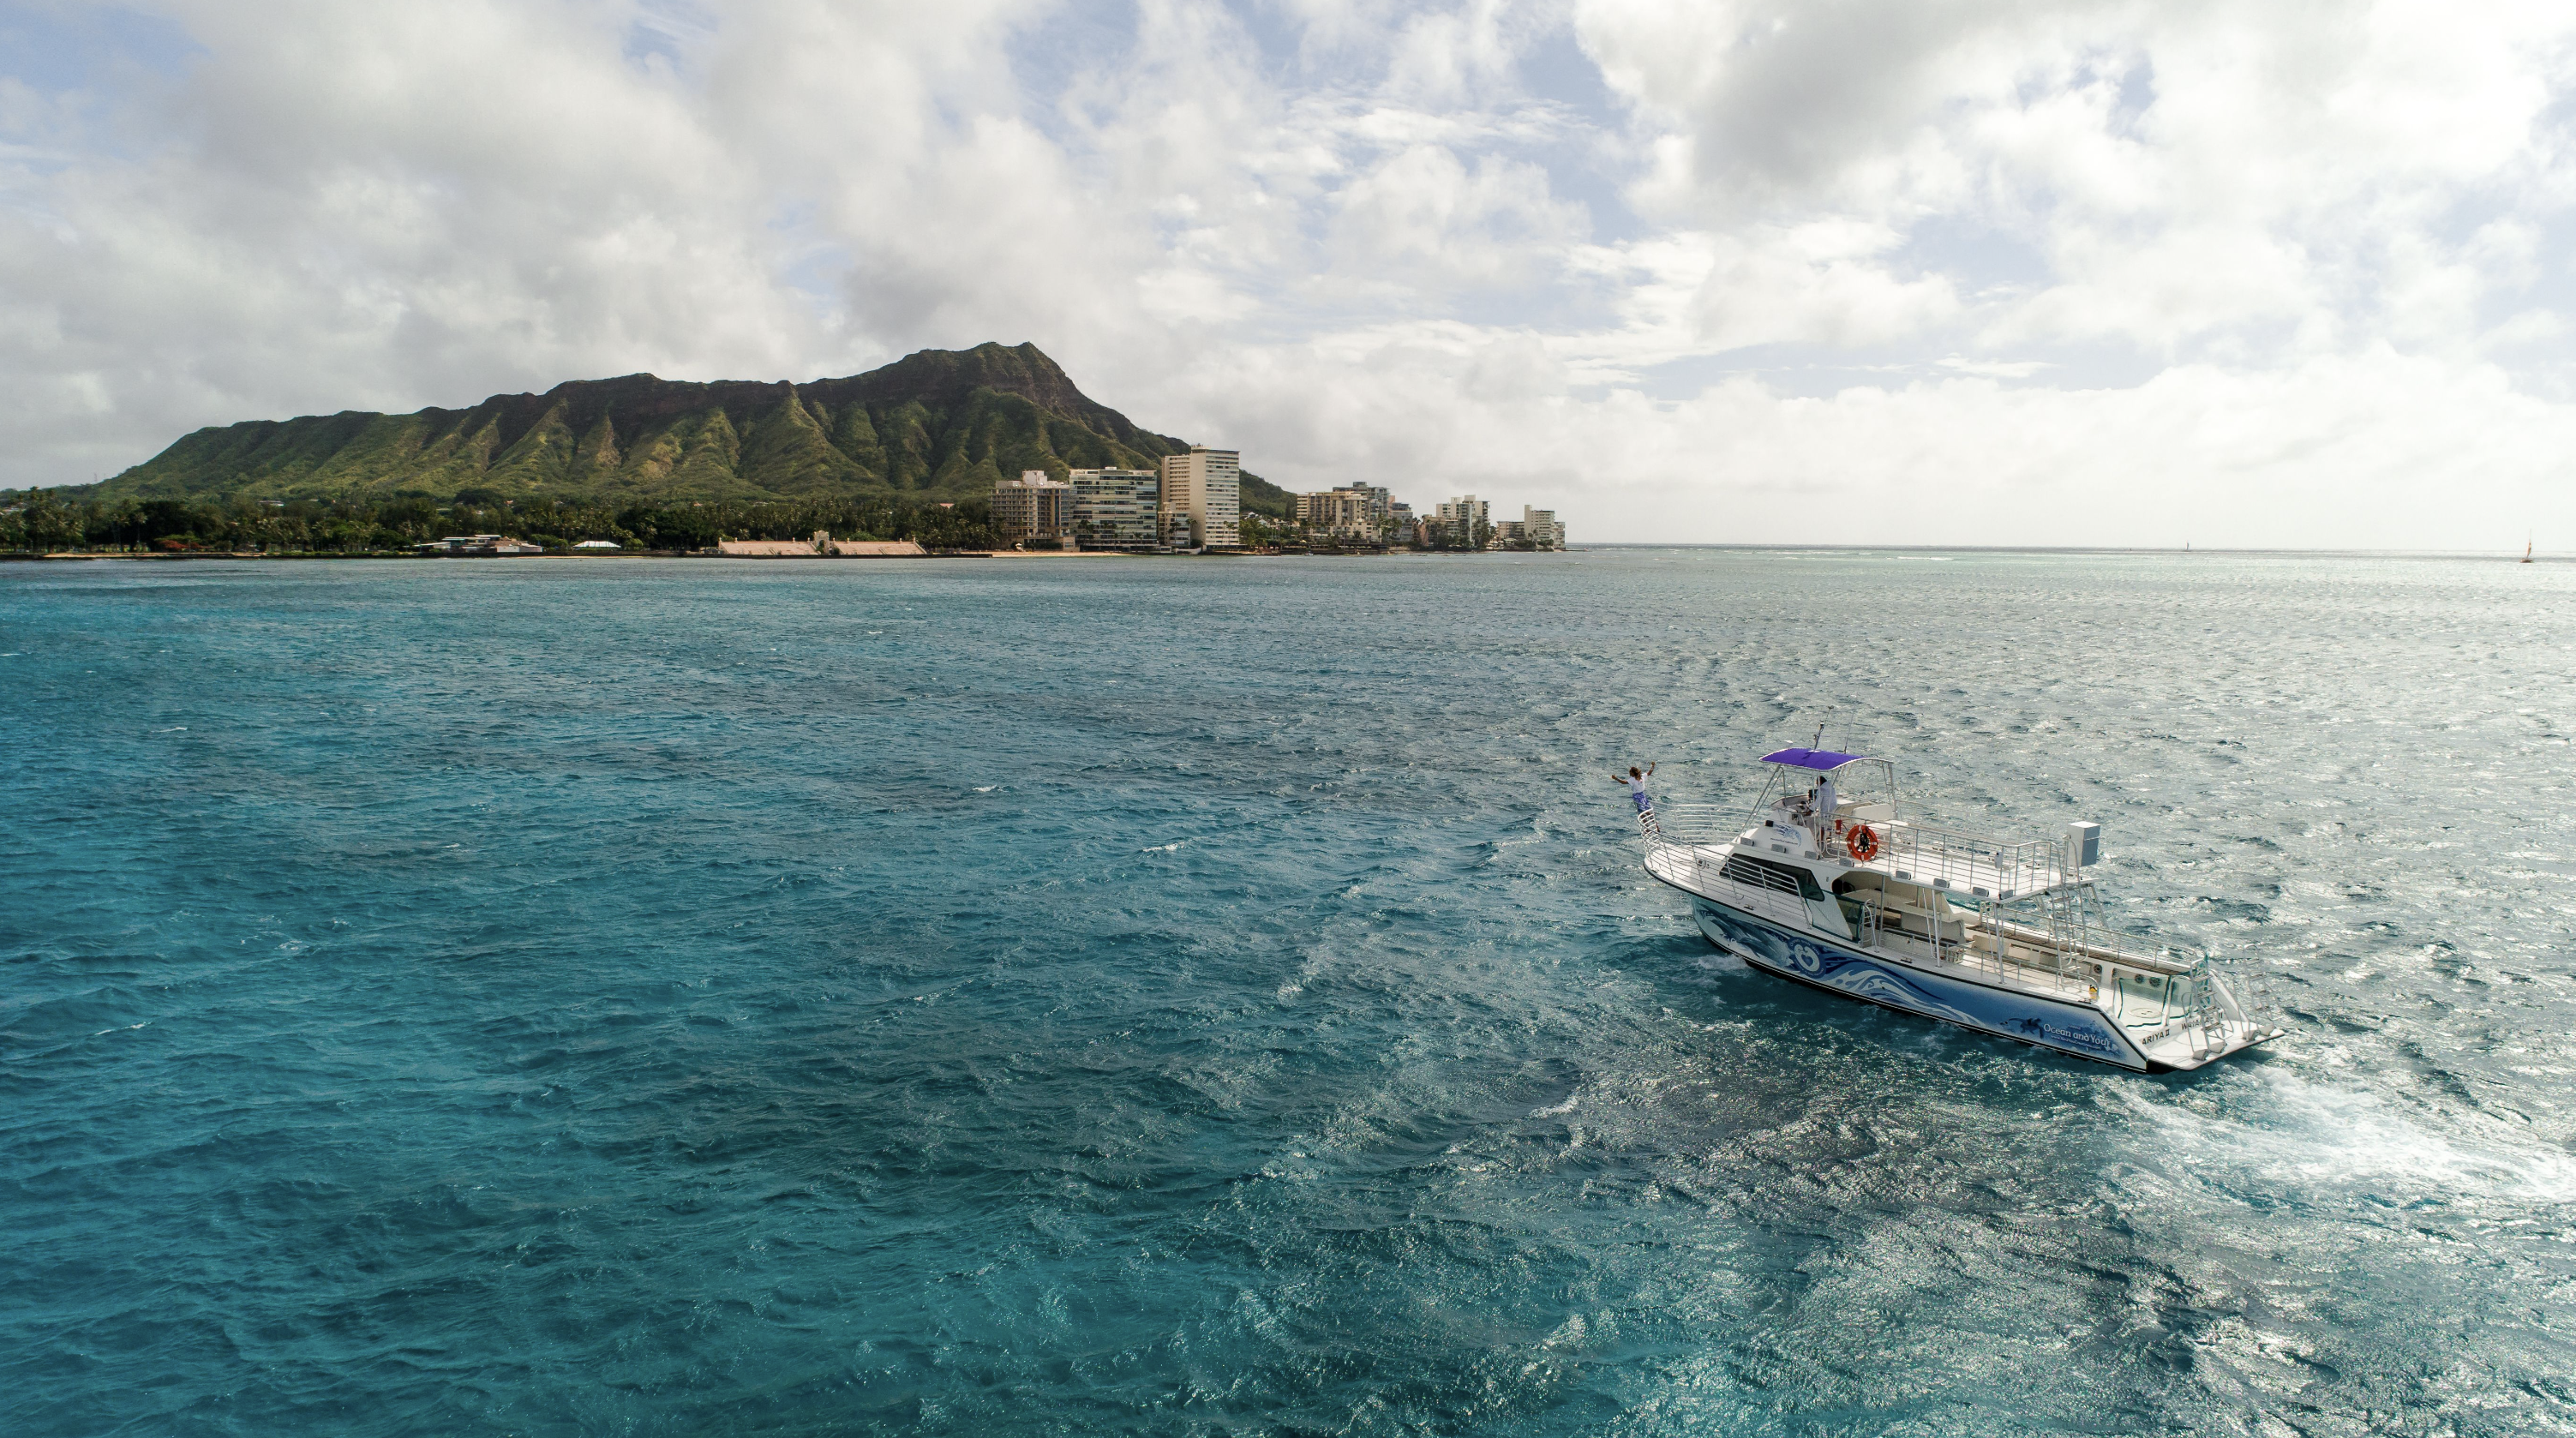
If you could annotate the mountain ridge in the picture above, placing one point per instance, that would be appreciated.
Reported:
(936, 425)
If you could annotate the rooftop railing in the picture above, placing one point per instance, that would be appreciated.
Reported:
(1982, 868)
(1972, 865)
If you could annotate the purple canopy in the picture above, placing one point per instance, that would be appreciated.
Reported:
(1810, 758)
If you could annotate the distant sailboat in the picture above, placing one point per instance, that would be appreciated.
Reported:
(2526, 551)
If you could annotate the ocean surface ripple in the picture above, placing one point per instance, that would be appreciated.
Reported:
(1151, 996)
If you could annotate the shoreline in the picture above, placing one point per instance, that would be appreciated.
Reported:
(112, 556)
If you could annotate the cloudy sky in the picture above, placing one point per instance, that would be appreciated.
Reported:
(1898, 271)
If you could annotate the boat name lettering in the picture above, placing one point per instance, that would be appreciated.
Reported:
(2080, 1037)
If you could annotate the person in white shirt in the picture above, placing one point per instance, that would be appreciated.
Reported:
(1636, 782)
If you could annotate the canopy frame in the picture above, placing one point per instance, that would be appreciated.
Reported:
(1858, 779)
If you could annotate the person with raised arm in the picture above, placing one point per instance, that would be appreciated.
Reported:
(1636, 782)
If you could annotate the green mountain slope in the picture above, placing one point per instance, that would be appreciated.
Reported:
(936, 425)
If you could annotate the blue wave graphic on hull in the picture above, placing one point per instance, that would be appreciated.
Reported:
(2035, 1020)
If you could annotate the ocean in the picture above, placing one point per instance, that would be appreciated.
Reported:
(1198, 997)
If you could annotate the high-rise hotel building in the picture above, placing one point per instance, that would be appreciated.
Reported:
(1203, 499)
(1116, 509)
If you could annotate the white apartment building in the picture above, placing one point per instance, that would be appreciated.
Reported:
(1354, 513)
(1462, 517)
(1117, 508)
(1541, 528)
(1202, 499)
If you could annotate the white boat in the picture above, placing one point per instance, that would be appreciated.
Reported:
(1834, 886)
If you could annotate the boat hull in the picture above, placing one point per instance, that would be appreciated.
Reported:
(2068, 1028)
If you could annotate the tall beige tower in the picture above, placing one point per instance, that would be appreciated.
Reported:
(1205, 488)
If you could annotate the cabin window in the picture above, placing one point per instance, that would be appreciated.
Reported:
(1779, 878)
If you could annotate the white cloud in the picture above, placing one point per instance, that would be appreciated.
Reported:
(2191, 174)
(2075, 269)
(1824, 282)
(1427, 216)
(1995, 369)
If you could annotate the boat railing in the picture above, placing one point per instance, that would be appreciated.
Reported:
(2185, 995)
(1971, 863)
(2080, 941)
(1701, 823)
(1764, 891)
(2036, 977)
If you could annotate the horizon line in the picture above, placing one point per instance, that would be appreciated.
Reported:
(2048, 549)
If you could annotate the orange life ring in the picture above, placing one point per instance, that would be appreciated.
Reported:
(1864, 843)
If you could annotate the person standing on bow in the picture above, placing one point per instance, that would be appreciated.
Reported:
(1636, 782)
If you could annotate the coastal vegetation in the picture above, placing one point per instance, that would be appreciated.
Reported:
(45, 521)
(936, 426)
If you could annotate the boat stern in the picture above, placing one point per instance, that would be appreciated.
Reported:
(2183, 1050)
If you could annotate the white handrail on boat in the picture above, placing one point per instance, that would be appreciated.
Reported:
(1973, 865)
(1701, 823)
(1986, 868)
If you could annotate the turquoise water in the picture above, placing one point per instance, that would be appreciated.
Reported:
(1200, 997)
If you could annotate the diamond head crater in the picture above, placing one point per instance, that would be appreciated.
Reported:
(936, 425)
